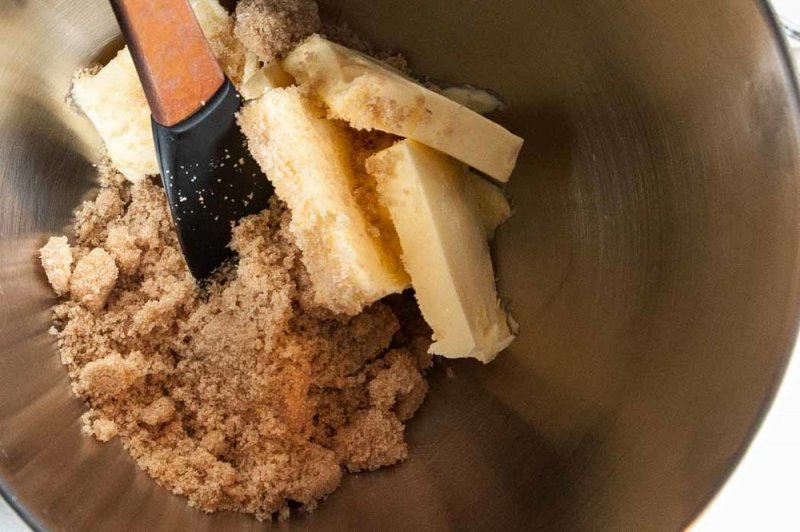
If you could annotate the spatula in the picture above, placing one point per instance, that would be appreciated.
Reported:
(210, 179)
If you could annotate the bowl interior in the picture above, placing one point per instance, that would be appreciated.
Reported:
(652, 264)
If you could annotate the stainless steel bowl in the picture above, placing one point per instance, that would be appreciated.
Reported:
(652, 262)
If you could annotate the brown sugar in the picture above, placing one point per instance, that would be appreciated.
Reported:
(93, 279)
(122, 246)
(241, 395)
(106, 377)
(158, 412)
(397, 384)
(373, 438)
(56, 257)
(270, 28)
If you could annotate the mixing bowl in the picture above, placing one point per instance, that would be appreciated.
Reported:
(652, 264)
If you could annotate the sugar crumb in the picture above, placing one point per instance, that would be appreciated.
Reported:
(93, 279)
(158, 412)
(122, 246)
(109, 376)
(56, 257)
(372, 439)
(398, 385)
(95, 424)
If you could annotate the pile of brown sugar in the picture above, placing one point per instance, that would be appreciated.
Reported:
(240, 395)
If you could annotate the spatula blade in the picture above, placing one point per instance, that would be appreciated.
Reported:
(210, 179)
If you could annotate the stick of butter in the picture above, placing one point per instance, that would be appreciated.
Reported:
(369, 95)
(308, 159)
(445, 250)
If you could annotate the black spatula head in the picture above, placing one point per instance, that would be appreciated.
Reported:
(210, 179)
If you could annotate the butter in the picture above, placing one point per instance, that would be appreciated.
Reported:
(308, 160)
(370, 95)
(479, 100)
(445, 250)
(270, 76)
(492, 204)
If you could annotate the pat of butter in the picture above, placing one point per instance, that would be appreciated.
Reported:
(445, 250)
(309, 160)
(369, 95)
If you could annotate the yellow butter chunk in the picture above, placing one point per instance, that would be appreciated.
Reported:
(445, 249)
(308, 159)
(270, 76)
(217, 25)
(479, 100)
(369, 95)
(113, 98)
(493, 206)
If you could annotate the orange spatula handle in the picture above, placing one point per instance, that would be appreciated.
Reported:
(177, 68)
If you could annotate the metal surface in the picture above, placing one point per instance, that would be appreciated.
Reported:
(653, 264)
